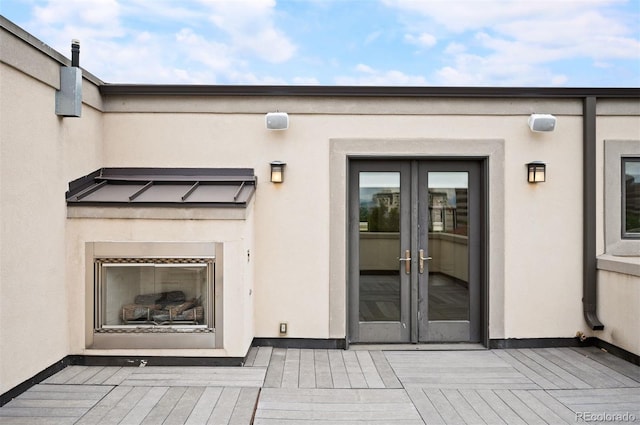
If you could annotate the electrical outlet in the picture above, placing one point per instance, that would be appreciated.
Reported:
(283, 327)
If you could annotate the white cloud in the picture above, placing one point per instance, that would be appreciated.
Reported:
(196, 48)
(604, 65)
(82, 19)
(365, 69)
(249, 24)
(251, 78)
(521, 39)
(455, 48)
(475, 70)
(469, 15)
(306, 81)
(212, 41)
(422, 40)
(584, 34)
(559, 80)
(372, 37)
(98, 26)
(368, 76)
(182, 12)
(94, 12)
(144, 60)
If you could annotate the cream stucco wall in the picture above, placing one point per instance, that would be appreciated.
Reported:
(618, 307)
(39, 153)
(291, 254)
(237, 288)
(294, 283)
(544, 248)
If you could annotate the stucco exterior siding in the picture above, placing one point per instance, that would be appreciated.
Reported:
(237, 263)
(543, 251)
(618, 307)
(533, 270)
(336, 105)
(39, 154)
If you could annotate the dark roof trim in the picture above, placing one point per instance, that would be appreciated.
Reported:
(364, 91)
(162, 187)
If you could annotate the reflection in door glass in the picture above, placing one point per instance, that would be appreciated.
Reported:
(379, 242)
(448, 246)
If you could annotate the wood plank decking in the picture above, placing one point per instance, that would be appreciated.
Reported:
(299, 386)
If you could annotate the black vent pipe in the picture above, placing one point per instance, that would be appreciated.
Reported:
(589, 271)
(75, 53)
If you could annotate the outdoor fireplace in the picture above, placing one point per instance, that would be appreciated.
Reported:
(156, 295)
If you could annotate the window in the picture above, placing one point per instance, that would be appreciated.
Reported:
(621, 207)
(631, 198)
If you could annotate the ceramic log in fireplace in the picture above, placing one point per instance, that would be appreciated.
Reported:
(156, 301)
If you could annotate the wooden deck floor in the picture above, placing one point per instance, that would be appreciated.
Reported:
(292, 386)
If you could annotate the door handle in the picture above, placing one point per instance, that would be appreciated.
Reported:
(407, 261)
(421, 261)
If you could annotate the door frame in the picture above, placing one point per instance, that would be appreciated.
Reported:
(481, 334)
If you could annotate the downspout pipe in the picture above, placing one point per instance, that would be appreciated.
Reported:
(589, 272)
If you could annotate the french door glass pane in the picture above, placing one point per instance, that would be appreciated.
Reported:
(379, 243)
(448, 246)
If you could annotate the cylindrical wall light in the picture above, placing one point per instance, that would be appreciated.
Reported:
(536, 172)
(277, 171)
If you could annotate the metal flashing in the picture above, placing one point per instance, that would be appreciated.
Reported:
(365, 91)
(163, 187)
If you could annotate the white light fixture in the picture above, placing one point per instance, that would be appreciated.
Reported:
(542, 122)
(536, 172)
(277, 171)
(277, 120)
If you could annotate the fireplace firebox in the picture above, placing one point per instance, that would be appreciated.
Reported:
(145, 298)
(156, 294)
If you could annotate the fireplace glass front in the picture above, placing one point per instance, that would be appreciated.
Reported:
(154, 295)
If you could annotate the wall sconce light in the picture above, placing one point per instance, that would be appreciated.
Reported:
(277, 171)
(536, 172)
(542, 122)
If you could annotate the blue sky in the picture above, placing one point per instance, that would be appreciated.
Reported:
(543, 43)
